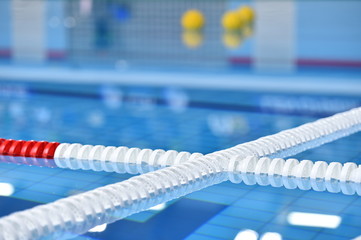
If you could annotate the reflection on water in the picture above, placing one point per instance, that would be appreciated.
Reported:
(313, 220)
(99, 228)
(247, 234)
(235, 176)
(40, 162)
(271, 236)
(6, 189)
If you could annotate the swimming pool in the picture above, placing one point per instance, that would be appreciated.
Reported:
(183, 119)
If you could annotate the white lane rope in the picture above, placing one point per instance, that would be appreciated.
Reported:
(240, 169)
(87, 157)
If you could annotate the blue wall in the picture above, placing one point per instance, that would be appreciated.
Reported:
(56, 32)
(329, 30)
(5, 26)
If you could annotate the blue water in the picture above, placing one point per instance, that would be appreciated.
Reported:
(181, 119)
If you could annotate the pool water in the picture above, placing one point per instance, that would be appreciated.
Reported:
(183, 119)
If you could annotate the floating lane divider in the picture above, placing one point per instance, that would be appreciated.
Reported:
(36, 149)
(77, 156)
(77, 214)
(241, 170)
(135, 160)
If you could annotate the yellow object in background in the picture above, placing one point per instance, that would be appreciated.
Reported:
(246, 13)
(193, 20)
(192, 39)
(232, 39)
(231, 21)
(238, 26)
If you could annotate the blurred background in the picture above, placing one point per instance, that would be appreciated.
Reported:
(196, 76)
(246, 36)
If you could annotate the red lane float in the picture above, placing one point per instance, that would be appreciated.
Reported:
(35, 149)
